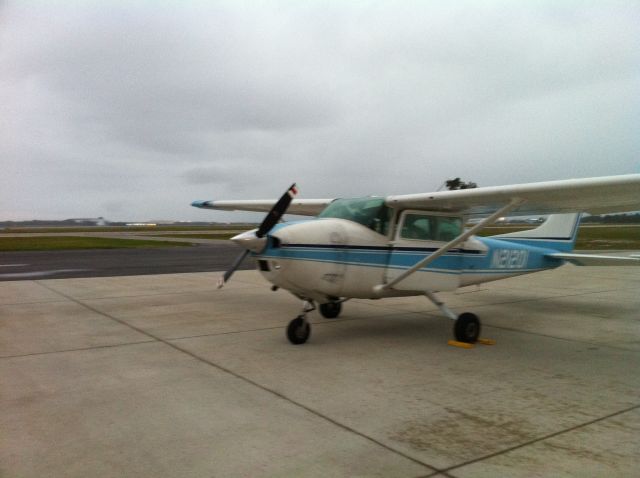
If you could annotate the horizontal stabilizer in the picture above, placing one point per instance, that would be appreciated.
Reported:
(558, 232)
(596, 260)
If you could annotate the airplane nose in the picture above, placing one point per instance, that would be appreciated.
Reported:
(249, 240)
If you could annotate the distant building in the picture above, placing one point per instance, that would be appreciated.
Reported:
(98, 221)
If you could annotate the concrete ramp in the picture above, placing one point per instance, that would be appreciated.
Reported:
(153, 376)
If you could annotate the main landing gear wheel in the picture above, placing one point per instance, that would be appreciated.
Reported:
(467, 328)
(330, 310)
(298, 330)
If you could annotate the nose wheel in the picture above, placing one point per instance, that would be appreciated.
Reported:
(299, 329)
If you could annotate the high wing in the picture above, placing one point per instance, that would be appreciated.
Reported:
(608, 194)
(302, 207)
(594, 195)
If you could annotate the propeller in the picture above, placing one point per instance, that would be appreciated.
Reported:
(251, 238)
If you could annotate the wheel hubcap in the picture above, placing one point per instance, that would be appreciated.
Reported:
(471, 330)
(301, 331)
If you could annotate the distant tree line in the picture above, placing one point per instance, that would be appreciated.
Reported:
(48, 223)
(90, 223)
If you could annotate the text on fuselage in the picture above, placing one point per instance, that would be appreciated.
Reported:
(509, 258)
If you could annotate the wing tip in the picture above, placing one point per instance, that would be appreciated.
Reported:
(200, 203)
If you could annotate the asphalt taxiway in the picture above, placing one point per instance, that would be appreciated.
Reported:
(205, 256)
(162, 375)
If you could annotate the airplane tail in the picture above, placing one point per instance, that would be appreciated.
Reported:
(558, 232)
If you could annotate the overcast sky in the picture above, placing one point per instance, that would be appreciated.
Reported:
(131, 110)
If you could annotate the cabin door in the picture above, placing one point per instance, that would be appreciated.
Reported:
(418, 235)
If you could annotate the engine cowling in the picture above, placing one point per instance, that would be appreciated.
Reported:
(322, 259)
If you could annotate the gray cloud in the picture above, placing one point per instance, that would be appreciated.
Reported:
(132, 111)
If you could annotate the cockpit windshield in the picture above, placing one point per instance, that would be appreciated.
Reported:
(370, 212)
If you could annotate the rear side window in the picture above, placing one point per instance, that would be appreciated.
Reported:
(448, 228)
(423, 227)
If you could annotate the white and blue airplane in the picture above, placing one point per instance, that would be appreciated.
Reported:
(417, 244)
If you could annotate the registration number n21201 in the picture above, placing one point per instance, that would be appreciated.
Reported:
(509, 258)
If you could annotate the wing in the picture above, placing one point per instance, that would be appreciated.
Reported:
(302, 207)
(594, 195)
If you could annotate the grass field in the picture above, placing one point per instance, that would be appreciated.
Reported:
(15, 230)
(589, 237)
(203, 235)
(47, 243)
(604, 237)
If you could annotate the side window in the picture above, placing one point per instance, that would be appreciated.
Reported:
(420, 227)
(448, 228)
(417, 227)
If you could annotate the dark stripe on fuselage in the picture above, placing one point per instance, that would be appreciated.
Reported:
(379, 248)
(531, 238)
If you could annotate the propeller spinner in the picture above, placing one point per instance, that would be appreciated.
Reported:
(255, 241)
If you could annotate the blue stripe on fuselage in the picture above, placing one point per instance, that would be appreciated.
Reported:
(453, 262)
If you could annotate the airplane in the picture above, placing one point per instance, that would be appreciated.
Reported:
(417, 244)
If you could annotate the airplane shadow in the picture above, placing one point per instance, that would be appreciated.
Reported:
(386, 329)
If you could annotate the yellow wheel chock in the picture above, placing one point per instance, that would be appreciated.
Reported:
(465, 345)
(462, 345)
(486, 341)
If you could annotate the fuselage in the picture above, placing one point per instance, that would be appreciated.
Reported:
(326, 258)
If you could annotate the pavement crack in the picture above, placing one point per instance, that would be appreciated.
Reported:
(13, 304)
(248, 380)
(302, 406)
(79, 349)
(542, 438)
(564, 339)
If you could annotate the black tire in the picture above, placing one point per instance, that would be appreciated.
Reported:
(330, 310)
(467, 328)
(298, 331)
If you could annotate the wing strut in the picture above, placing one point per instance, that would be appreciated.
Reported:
(514, 203)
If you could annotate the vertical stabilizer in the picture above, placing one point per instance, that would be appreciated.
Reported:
(558, 232)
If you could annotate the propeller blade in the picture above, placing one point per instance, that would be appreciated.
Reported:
(223, 280)
(277, 211)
